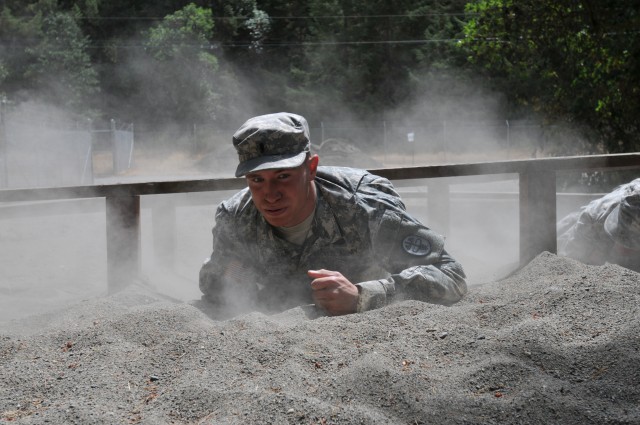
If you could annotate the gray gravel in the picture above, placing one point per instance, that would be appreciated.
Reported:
(556, 343)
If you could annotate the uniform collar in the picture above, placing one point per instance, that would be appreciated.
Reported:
(325, 225)
(324, 229)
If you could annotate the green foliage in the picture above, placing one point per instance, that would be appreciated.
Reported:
(4, 72)
(184, 69)
(48, 55)
(258, 26)
(574, 60)
(181, 34)
(361, 55)
(162, 61)
(16, 33)
(62, 67)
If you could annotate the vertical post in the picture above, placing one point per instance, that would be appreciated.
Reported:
(114, 146)
(131, 139)
(88, 162)
(163, 218)
(4, 177)
(123, 240)
(411, 140)
(194, 139)
(438, 206)
(384, 140)
(537, 213)
(508, 139)
(444, 140)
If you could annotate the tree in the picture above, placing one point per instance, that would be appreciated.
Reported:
(182, 85)
(46, 56)
(578, 61)
(363, 57)
(62, 72)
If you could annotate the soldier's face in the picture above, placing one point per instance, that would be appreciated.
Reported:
(287, 196)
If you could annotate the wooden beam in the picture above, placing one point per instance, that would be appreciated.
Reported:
(592, 162)
(537, 213)
(123, 241)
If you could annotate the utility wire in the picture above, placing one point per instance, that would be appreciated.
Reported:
(344, 43)
(241, 18)
(272, 44)
(215, 46)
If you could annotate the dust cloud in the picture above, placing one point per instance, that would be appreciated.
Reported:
(53, 255)
(58, 256)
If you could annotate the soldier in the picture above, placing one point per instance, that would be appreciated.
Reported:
(303, 233)
(607, 230)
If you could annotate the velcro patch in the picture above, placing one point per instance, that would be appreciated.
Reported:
(416, 245)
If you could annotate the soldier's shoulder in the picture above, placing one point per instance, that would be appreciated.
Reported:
(344, 175)
(350, 179)
(238, 205)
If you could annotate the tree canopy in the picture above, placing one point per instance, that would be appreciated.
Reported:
(576, 60)
(161, 62)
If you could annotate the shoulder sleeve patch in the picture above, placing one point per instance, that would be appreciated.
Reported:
(416, 245)
(401, 242)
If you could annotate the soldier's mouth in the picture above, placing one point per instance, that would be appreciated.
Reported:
(275, 211)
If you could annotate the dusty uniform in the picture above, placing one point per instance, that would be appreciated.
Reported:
(581, 235)
(360, 228)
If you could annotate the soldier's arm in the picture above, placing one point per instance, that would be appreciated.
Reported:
(227, 274)
(582, 241)
(442, 282)
(415, 257)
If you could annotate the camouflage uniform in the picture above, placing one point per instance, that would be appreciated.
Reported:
(360, 228)
(582, 234)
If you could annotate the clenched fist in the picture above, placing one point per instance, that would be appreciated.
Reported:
(333, 292)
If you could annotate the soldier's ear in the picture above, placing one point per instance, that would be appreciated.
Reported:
(313, 165)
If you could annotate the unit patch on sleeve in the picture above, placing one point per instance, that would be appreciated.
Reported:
(416, 245)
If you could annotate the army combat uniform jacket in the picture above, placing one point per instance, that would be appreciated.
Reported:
(360, 228)
(581, 235)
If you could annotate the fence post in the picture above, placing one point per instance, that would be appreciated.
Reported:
(114, 145)
(130, 161)
(508, 139)
(4, 176)
(444, 140)
(438, 206)
(163, 219)
(384, 141)
(537, 213)
(123, 240)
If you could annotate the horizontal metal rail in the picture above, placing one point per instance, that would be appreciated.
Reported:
(537, 200)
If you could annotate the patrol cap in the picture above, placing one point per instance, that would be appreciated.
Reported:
(272, 141)
(623, 223)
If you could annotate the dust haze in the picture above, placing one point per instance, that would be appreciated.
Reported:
(54, 253)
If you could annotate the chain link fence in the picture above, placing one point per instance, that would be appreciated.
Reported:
(45, 150)
(392, 143)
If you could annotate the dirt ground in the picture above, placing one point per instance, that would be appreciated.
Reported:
(556, 343)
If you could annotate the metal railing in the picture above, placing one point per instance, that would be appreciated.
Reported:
(537, 201)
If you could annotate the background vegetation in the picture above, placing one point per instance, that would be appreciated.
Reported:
(159, 63)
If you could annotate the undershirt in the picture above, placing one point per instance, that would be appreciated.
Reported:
(298, 233)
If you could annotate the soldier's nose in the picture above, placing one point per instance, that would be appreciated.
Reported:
(272, 194)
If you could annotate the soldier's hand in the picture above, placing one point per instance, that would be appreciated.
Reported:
(333, 292)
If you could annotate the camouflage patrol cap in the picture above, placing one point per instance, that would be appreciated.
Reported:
(623, 223)
(272, 141)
